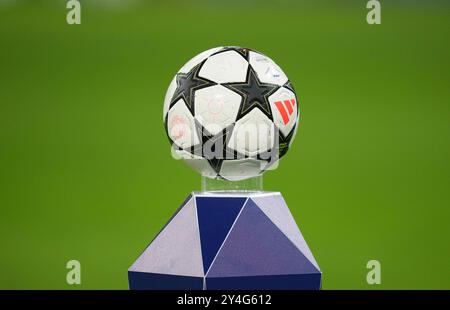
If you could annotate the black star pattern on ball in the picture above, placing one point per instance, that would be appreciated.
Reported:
(208, 142)
(254, 94)
(284, 141)
(244, 52)
(289, 86)
(188, 84)
(279, 150)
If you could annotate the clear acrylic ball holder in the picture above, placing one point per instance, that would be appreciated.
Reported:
(254, 184)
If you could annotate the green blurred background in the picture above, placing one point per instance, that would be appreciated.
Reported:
(85, 166)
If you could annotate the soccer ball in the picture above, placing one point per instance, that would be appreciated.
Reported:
(230, 113)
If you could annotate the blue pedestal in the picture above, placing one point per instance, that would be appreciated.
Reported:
(237, 241)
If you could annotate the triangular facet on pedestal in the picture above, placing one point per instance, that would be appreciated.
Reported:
(173, 260)
(216, 215)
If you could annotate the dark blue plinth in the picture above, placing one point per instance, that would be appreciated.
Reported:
(230, 241)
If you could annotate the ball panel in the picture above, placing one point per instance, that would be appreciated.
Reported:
(241, 169)
(197, 163)
(225, 67)
(180, 126)
(252, 134)
(198, 59)
(169, 95)
(216, 107)
(284, 107)
(267, 70)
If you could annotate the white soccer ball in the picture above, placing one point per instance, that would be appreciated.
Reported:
(231, 113)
